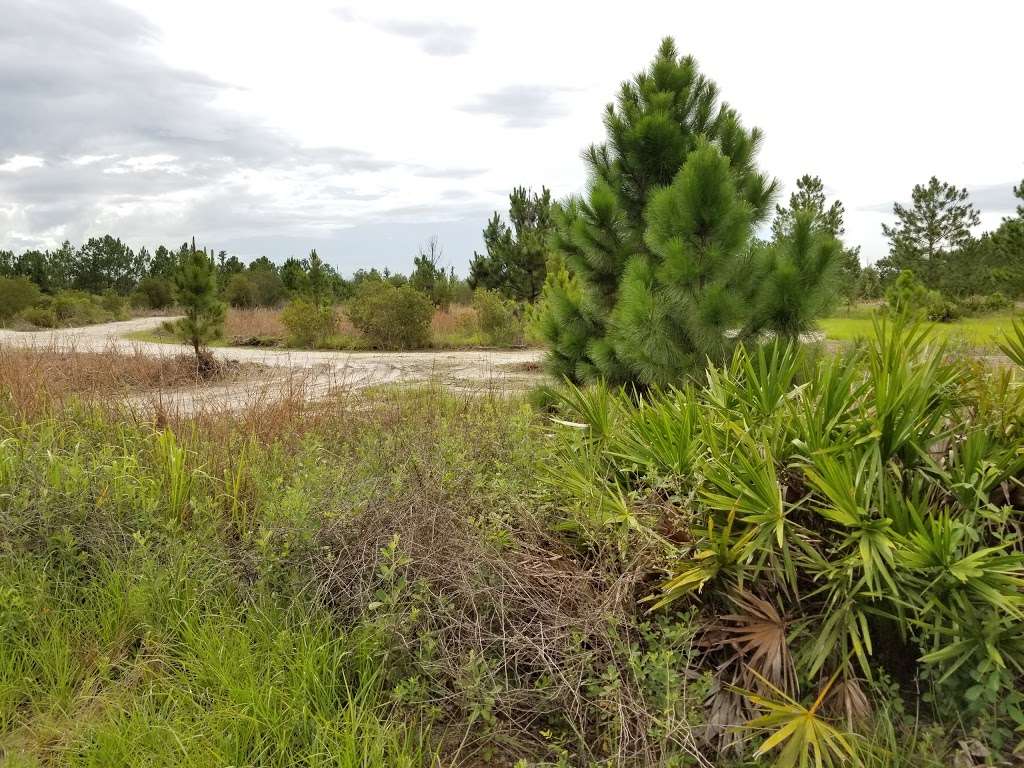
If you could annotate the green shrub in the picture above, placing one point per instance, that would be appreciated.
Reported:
(309, 324)
(270, 290)
(114, 304)
(391, 317)
(822, 534)
(497, 317)
(16, 295)
(41, 317)
(908, 298)
(986, 304)
(241, 292)
(155, 293)
(78, 308)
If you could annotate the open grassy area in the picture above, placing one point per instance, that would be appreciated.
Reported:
(982, 332)
(409, 577)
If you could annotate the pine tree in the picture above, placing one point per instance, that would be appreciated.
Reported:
(937, 223)
(516, 252)
(196, 292)
(810, 196)
(666, 271)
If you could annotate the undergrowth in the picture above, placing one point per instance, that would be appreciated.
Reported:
(412, 577)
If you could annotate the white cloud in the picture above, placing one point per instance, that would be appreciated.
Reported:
(421, 121)
(20, 163)
(145, 163)
(84, 160)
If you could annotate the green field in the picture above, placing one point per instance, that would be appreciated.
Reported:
(984, 331)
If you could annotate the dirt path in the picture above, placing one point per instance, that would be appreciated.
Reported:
(317, 372)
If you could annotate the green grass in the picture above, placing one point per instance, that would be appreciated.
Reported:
(158, 595)
(391, 579)
(981, 332)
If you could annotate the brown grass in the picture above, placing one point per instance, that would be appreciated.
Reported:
(242, 325)
(456, 319)
(35, 380)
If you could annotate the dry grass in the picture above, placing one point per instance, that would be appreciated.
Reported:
(242, 325)
(39, 380)
(457, 319)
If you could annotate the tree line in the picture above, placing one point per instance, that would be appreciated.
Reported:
(108, 265)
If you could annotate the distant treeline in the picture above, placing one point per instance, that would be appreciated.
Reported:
(107, 265)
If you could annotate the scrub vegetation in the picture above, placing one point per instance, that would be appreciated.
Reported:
(708, 540)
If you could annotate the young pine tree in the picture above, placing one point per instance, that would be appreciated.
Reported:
(810, 197)
(517, 252)
(196, 291)
(937, 223)
(666, 274)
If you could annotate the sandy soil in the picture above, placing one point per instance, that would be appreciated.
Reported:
(318, 372)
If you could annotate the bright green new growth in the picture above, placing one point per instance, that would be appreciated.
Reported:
(662, 244)
(196, 291)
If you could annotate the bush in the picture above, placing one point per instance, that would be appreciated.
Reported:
(392, 317)
(154, 293)
(41, 317)
(497, 317)
(270, 290)
(78, 308)
(908, 298)
(819, 531)
(308, 324)
(16, 295)
(241, 292)
(984, 305)
(113, 304)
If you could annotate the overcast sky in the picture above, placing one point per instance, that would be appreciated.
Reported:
(362, 128)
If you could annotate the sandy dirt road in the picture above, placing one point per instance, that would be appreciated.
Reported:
(318, 372)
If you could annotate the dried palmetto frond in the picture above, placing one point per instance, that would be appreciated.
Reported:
(848, 700)
(758, 634)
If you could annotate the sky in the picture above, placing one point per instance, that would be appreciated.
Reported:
(363, 128)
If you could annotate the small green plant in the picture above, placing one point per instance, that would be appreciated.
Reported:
(497, 317)
(196, 291)
(391, 317)
(309, 324)
(155, 293)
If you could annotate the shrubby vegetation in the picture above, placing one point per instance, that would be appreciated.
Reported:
(391, 317)
(706, 545)
(498, 317)
(309, 324)
(847, 529)
(786, 553)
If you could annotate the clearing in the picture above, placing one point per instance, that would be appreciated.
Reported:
(319, 372)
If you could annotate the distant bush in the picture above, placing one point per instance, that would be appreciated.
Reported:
(270, 290)
(984, 305)
(114, 304)
(154, 293)
(908, 297)
(241, 292)
(497, 317)
(16, 295)
(78, 308)
(41, 317)
(309, 324)
(392, 317)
